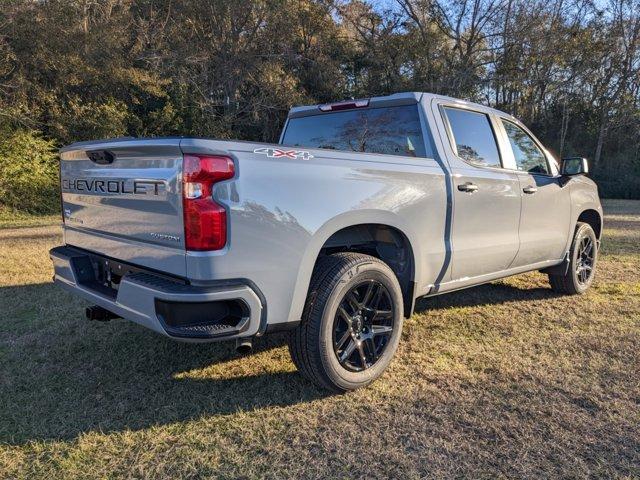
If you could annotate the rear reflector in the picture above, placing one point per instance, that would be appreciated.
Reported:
(332, 107)
(205, 222)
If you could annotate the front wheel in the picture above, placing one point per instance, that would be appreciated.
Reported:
(351, 323)
(583, 257)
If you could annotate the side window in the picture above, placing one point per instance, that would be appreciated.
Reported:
(473, 137)
(529, 158)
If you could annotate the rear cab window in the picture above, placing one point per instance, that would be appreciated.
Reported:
(383, 130)
(473, 137)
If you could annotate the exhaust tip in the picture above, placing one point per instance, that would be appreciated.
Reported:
(244, 346)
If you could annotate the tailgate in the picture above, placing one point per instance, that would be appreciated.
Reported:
(123, 199)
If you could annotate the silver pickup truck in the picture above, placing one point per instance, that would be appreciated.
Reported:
(362, 207)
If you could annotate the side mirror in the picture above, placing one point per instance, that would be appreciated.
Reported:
(574, 166)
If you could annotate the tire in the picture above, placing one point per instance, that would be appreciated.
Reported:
(340, 311)
(581, 270)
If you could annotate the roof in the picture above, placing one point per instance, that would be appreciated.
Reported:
(404, 98)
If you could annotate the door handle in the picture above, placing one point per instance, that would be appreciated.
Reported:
(530, 189)
(468, 187)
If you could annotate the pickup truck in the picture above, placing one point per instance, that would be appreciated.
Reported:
(332, 234)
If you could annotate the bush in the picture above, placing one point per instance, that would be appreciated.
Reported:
(78, 120)
(28, 172)
(625, 188)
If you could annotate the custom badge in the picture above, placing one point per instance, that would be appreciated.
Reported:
(279, 153)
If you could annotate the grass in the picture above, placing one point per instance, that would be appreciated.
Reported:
(10, 218)
(502, 380)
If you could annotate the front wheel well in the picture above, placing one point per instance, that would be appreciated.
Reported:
(592, 217)
(381, 241)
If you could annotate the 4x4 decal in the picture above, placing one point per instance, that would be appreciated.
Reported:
(279, 153)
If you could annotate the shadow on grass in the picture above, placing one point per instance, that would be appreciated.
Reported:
(61, 376)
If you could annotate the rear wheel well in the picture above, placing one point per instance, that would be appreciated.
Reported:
(592, 217)
(381, 241)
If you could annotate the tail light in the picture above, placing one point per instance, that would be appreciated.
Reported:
(205, 222)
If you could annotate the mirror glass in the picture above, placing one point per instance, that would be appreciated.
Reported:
(574, 166)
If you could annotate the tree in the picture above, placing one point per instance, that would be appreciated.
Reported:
(79, 69)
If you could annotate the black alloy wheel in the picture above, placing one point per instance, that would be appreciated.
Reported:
(577, 275)
(363, 325)
(585, 260)
(351, 324)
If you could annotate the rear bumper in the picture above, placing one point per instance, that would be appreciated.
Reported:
(161, 304)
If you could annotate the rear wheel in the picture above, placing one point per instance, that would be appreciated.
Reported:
(583, 257)
(351, 323)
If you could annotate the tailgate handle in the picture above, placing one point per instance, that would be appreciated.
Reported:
(101, 157)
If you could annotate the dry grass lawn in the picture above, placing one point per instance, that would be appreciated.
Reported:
(503, 380)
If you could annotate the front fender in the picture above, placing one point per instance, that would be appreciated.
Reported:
(584, 196)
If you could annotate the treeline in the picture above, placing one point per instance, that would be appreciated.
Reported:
(80, 69)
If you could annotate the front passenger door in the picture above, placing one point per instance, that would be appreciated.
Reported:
(546, 206)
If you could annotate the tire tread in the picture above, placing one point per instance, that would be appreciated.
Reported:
(565, 283)
(304, 340)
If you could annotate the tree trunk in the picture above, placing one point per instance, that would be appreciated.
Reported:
(564, 126)
(601, 133)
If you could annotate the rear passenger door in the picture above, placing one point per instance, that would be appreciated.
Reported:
(546, 206)
(486, 196)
